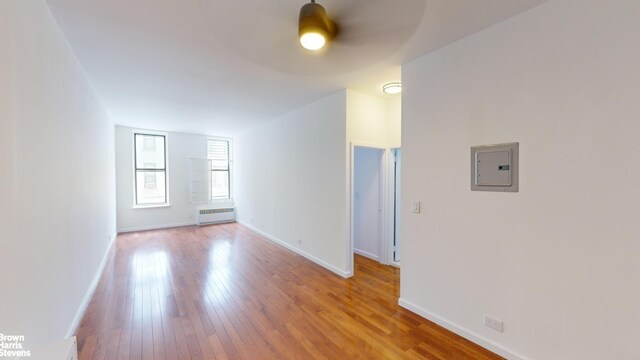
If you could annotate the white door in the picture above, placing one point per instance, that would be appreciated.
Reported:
(368, 192)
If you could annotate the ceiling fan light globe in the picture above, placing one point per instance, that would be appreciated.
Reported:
(315, 29)
(312, 41)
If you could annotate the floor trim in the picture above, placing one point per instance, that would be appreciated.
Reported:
(342, 273)
(465, 333)
(366, 254)
(154, 227)
(92, 288)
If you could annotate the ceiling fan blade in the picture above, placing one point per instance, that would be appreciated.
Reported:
(367, 22)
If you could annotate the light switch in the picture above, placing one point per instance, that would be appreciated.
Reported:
(415, 207)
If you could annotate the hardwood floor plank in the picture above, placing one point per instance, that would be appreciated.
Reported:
(224, 292)
(159, 351)
(135, 350)
(112, 346)
(182, 347)
(218, 349)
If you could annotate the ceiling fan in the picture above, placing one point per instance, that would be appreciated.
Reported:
(358, 22)
(353, 35)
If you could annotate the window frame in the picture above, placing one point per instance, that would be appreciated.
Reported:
(166, 203)
(230, 169)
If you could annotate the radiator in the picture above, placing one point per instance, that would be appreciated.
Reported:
(216, 216)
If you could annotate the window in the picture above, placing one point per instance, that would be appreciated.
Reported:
(150, 158)
(219, 156)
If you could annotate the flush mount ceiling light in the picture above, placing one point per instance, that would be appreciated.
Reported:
(392, 88)
(315, 29)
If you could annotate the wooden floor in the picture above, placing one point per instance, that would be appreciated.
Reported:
(223, 292)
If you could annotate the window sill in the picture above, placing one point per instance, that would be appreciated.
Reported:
(151, 206)
(215, 201)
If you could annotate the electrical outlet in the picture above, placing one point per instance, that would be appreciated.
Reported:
(493, 323)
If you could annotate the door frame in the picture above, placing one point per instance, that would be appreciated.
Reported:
(384, 232)
(392, 211)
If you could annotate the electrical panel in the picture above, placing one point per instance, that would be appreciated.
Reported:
(495, 167)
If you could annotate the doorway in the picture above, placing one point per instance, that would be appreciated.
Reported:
(368, 202)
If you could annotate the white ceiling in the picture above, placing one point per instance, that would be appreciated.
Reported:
(219, 66)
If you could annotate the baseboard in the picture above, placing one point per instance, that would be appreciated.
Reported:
(92, 287)
(155, 227)
(465, 333)
(366, 254)
(342, 273)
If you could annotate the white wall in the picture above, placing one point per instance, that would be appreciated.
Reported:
(394, 121)
(57, 213)
(368, 201)
(291, 180)
(180, 148)
(373, 120)
(558, 262)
